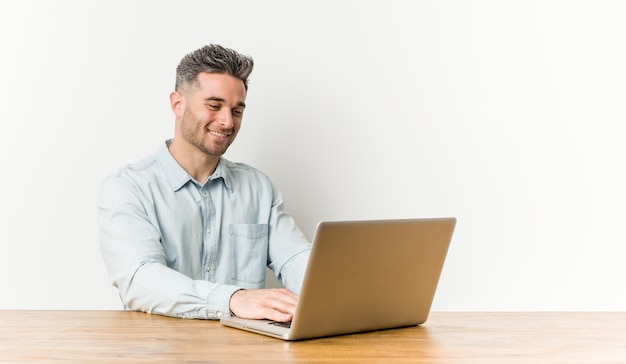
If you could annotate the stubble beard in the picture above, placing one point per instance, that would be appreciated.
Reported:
(196, 134)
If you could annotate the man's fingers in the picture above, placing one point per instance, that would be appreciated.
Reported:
(278, 316)
(273, 304)
(284, 300)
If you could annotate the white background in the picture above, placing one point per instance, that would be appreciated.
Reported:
(506, 114)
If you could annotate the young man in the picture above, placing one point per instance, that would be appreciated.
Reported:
(187, 233)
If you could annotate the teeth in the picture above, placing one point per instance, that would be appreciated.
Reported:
(218, 133)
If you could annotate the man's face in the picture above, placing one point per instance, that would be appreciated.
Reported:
(212, 112)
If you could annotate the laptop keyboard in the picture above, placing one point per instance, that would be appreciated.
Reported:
(286, 325)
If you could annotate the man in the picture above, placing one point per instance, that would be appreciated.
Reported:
(187, 233)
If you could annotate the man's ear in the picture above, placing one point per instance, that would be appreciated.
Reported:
(177, 103)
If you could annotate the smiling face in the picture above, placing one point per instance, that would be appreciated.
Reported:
(209, 113)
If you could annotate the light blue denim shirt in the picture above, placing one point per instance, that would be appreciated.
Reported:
(175, 247)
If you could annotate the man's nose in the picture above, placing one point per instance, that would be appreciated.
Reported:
(226, 118)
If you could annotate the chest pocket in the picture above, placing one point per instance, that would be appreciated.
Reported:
(249, 245)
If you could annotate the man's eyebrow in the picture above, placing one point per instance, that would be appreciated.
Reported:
(219, 99)
(213, 98)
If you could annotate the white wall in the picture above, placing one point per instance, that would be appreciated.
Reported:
(505, 114)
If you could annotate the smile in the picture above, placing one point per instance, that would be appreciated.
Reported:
(217, 133)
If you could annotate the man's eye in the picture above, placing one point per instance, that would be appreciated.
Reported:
(214, 107)
(237, 112)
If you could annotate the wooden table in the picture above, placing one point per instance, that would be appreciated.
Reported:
(453, 337)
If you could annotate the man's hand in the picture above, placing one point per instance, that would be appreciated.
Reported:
(277, 304)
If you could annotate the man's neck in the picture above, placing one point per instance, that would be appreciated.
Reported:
(199, 165)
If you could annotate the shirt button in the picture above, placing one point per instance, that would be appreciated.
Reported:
(208, 269)
(208, 231)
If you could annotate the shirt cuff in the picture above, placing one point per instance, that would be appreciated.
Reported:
(218, 300)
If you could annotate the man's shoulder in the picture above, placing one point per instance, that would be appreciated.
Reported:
(143, 166)
(238, 167)
(153, 163)
(137, 175)
(238, 170)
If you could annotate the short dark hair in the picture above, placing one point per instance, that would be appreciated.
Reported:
(213, 58)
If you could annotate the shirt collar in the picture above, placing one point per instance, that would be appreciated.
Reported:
(176, 175)
(223, 171)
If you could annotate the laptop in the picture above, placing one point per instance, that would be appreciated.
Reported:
(364, 276)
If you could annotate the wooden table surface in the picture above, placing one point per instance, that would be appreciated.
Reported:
(447, 337)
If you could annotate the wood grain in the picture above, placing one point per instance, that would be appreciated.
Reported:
(447, 337)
